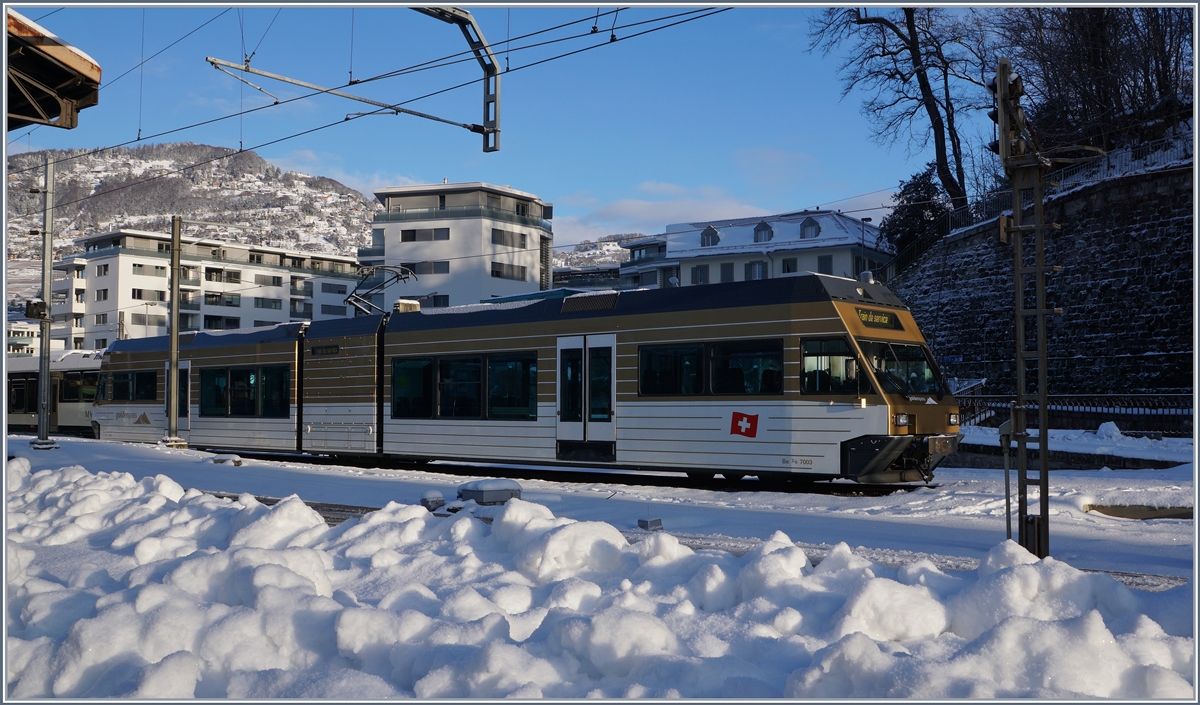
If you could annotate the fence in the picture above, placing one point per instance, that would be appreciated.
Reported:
(1137, 158)
(1168, 414)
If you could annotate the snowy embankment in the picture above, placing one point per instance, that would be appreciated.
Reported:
(119, 587)
(1107, 440)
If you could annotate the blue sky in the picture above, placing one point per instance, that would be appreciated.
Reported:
(724, 116)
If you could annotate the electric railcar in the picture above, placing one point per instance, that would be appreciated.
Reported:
(813, 376)
(73, 378)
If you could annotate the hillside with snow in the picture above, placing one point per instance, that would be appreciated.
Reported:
(142, 187)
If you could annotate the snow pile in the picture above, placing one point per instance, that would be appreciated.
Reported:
(1106, 440)
(127, 588)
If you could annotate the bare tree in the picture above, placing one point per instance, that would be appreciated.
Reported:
(923, 65)
(1103, 75)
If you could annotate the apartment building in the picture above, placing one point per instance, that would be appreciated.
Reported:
(822, 241)
(465, 242)
(119, 287)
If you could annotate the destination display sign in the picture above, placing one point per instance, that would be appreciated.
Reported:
(324, 350)
(879, 319)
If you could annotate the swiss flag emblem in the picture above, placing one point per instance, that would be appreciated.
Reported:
(744, 425)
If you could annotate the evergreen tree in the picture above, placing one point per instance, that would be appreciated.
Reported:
(919, 205)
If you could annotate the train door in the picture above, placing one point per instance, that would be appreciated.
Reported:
(586, 423)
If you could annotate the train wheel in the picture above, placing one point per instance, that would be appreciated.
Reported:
(701, 475)
(734, 476)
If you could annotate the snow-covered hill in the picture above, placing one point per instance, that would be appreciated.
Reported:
(97, 191)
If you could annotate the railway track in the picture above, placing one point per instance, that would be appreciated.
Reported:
(656, 478)
(335, 514)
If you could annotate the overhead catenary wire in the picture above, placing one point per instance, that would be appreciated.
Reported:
(347, 118)
(416, 67)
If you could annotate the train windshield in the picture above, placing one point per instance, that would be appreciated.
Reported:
(901, 368)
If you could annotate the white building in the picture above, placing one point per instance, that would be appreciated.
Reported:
(826, 242)
(119, 286)
(23, 337)
(465, 242)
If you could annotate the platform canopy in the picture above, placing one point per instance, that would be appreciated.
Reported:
(49, 81)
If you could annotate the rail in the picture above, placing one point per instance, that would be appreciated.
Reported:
(1139, 157)
(1166, 414)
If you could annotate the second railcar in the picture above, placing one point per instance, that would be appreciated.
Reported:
(73, 378)
(811, 375)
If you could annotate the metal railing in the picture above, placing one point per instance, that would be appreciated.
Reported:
(1168, 414)
(1139, 157)
(451, 212)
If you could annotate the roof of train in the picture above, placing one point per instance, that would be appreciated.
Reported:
(784, 290)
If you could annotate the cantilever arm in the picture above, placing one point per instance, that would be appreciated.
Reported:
(487, 60)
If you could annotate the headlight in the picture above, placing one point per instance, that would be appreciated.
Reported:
(953, 419)
(901, 419)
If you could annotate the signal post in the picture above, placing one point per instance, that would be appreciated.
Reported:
(1025, 166)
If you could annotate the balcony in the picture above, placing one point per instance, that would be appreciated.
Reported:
(304, 291)
(370, 252)
(459, 212)
(189, 305)
(305, 311)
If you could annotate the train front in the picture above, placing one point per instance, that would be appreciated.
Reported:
(923, 416)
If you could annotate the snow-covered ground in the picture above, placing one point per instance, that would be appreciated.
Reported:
(124, 581)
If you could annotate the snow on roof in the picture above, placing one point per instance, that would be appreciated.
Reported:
(475, 308)
(737, 235)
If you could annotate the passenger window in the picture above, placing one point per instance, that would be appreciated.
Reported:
(214, 393)
(274, 392)
(69, 387)
(102, 388)
(459, 387)
(751, 367)
(412, 388)
(88, 389)
(145, 386)
(831, 367)
(512, 386)
(243, 388)
(671, 369)
(122, 386)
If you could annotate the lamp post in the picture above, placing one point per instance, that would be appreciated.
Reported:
(862, 245)
(43, 441)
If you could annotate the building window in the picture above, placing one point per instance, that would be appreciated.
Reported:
(650, 277)
(700, 274)
(420, 268)
(101, 343)
(789, 265)
(710, 237)
(268, 303)
(333, 310)
(327, 288)
(297, 262)
(78, 322)
(78, 343)
(256, 258)
(508, 271)
(437, 301)
(101, 319)
(139, 268)
(81, 273)
(219, 299)
(506, 238)
(267, 280)
(756, 270)
(221, 323)
(101, 295)
(149, 295)
(638, 253)
(825, 264)
(141, 319)
(264, 324)
(442, 202)
(79, 294)
(425, 235)
(726, 272)
(102, 270)
(763, 232)
(810, 228)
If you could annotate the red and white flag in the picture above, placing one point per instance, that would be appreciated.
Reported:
(744, 425)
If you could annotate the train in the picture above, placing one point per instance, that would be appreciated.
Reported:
(806, 377)
(73, 378)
